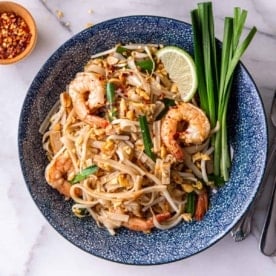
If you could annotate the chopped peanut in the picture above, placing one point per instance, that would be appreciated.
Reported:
(188, 188)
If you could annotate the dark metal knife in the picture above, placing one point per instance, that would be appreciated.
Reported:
(268, 236)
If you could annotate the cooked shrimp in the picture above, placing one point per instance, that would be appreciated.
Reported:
(145, 225)
(197, 130)
(201, 205)
(57, 172)
(88, 95)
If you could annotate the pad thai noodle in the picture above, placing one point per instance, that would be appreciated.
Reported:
(125, 148)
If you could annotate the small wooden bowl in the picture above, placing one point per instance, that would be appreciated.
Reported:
(7, 6)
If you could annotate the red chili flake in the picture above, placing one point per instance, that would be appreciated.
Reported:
(15, 35)
(176, 135)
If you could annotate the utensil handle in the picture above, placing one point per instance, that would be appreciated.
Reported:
(271, 157)
(268, 237)
(243, 228)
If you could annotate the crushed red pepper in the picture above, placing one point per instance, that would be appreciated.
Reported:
(15, 35)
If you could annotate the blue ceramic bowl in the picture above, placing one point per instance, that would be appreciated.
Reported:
(247, 130)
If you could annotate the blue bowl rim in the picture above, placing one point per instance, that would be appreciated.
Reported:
(28, 97)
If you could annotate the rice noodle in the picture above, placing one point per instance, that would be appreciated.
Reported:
(156, 127)
(170, 200)
(152, 202)
(203, 165)
(168, 225)
(191, 165)
(197, 148)
(132, 165)
(104, 53)
(145, 159)
(118, 137)
(95, 68)
(118, 195)
(115, 165)
(139, 46)
(114, 168)
(117, 216)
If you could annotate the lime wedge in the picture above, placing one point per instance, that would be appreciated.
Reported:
(181, 69)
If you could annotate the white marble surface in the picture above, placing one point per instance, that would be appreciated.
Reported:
(28, 244)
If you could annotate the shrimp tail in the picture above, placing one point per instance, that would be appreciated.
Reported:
(145, 225)
(201, 206)
(96, 121)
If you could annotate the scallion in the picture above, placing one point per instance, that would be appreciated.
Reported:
(215, 69)
(110, 95)
(146, 65)
(167, 102)
(84, 174)
(148, 145)
(121, 50)
(190, 204)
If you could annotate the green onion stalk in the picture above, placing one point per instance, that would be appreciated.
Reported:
(215, 70)
(148, 145)
(110, 96)
(84, 174)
